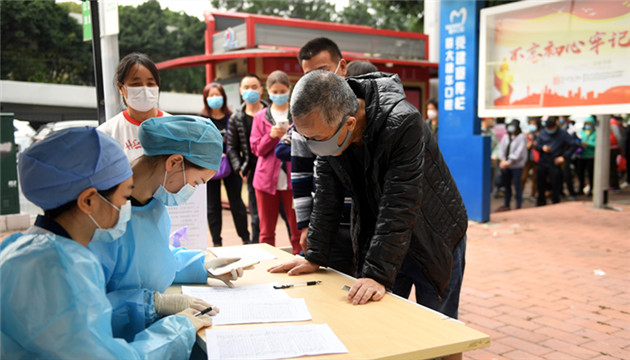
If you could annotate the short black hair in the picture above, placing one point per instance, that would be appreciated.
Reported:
(433, 101)
(360, 67)
(252, 75)
(315, 46)
(132, 59)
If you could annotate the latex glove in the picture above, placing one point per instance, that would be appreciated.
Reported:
(226, 278)
(169, 304)
(199, 322)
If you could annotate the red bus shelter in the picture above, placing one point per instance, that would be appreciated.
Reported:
(240, 43)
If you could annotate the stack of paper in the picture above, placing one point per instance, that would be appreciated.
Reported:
(273, 342)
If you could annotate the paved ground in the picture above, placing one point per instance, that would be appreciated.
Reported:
(547, 282)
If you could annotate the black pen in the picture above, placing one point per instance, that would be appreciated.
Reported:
(204, 311)
(308, 283)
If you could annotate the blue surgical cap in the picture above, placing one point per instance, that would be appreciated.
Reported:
(54, 171)
(194, 137)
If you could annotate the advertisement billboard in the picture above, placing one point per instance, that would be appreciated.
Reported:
(555, 58)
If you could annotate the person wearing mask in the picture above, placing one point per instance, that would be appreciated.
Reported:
(273, 176)
(52, 292)
(555, 147)
(568, 169)
(319, 53)
(532, 156)
(180, 152)
(512, 160)
(239, 150)
(586, 158)
(486, 130)
(406, 209)
(138, 82)
(432, 116)
(216, 109)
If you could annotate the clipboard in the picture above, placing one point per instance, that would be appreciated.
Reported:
(222, 270)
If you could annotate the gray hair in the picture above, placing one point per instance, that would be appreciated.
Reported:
(326, 92)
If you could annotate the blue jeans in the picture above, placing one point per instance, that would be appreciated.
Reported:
(426, 294)
(513, 177)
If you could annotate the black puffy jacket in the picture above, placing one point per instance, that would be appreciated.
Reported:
(239, 150)
(410, 192)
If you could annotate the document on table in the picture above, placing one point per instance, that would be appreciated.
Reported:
(223, 295)
(242, 305)
(273, 342)
(242, 251)
(264, 311)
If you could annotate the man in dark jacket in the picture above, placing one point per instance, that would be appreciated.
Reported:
(407, 211)
(555, 147)
(239, 150)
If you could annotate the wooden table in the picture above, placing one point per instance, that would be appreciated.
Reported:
(393, 328)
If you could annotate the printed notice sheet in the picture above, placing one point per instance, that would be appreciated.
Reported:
(273, 342)
(242, 251)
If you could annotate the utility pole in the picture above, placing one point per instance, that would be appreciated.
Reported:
(98, 64)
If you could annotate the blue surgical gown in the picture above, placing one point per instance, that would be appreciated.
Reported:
(53, 306)
(140, 263)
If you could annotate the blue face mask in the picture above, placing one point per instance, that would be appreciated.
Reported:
(551, 131)
(168, 198)
(111, 234)
(279, 99)
(588, 127)
(532, 128)
(215, 102)
(329, 147)
(251, 96)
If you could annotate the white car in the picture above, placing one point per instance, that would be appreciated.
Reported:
(53, 127)
(23, 134)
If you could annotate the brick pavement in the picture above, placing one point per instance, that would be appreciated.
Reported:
(550, 283)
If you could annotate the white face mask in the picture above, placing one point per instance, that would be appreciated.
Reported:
(168, 198)
(432, 114)
(119, 229)
(142, 98)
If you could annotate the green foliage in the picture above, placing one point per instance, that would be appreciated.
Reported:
(321, 10)
(71, 7)
(164, 35)
(41, 43)
(384, 14)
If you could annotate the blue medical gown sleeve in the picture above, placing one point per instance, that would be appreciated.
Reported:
(71, 317)
(133, 310)
(190, 267)
(9, 240)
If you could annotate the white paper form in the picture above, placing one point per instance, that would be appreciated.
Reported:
(250, 304)
(242, 251)
(273, 342)
(266, 311)
(220, 296)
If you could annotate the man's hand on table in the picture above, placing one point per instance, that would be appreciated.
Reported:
(364, 290)
(296, 266)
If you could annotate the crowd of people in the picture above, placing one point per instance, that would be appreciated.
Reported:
(553, 155)
(355, 172)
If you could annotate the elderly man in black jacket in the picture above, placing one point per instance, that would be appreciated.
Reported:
(408, 219)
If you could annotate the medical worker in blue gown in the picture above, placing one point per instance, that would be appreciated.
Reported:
(53, 303)
(180, 152)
